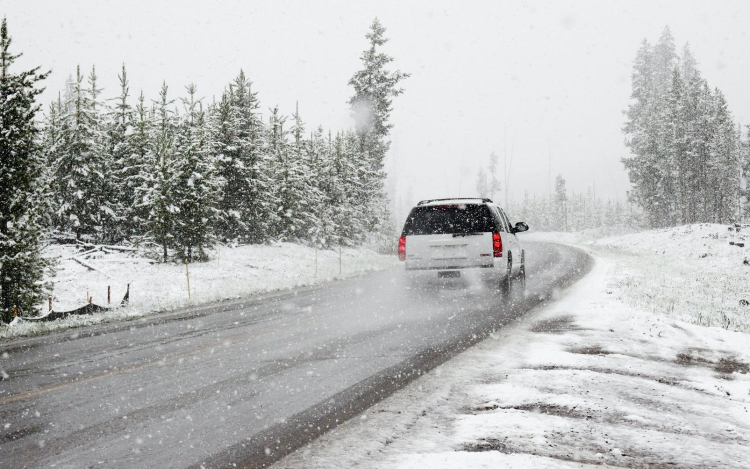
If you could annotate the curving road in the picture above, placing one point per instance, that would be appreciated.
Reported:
(243, 382)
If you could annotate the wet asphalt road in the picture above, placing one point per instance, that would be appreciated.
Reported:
(248, 381)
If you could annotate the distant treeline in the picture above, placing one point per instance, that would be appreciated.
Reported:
(574, 212)
(689, 162)
(560, 211)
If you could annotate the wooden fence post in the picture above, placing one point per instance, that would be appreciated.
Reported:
(187, 273)
(108, 294)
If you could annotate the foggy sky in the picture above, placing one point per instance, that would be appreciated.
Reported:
(541, 81)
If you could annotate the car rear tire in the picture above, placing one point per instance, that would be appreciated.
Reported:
(505, 283)
(521, 277)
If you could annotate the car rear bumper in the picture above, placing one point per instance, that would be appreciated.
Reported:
(445, 275)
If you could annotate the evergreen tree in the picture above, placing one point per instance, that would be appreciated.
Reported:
(158, 193)
(304, 196)
(744, 192)
(81, 167)
(278, 153)
(482, 185)
(321, 178)
(135, 173)
(725, 163)
(230, 225)
(21, 187)
(123, 178)
(52, 143)
(688, 64)
(664, 60)
(561, 204)
(197, 183)
(103, 183)
(493, 183)
(247, 202)
(371, 106)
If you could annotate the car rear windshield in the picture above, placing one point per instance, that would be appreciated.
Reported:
(449, 219)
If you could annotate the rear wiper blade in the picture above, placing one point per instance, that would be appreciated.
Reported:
(456, 235)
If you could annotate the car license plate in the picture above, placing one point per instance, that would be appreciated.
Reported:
(449, 274)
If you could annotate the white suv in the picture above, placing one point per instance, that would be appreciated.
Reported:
(462, 238)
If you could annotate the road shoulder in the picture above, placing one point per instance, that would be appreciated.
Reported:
(585, 381)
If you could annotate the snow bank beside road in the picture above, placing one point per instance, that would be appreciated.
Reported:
(232, 273)
(585, 382)
(696, 273)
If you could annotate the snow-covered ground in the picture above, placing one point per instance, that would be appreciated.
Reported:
(695, 273)
(600, 377)
(154, 287)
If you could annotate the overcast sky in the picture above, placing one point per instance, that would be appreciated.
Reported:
(539, 81)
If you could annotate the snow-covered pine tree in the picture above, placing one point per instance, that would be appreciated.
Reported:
(80, 166)
(345, 191)
(357, 179)
(22, 265)
(52, 143)
(284, 172)
(157, 195)
(371, 106)
(106, 193)
(305, 197)
(123, 177)
(229, 226)
(247, 200)
(637, 128)
(561, 204)
(134, 176)
(649, 166)
(688, 64)
(725, 163)
(672, 159)
(739, 149)
(664, 61)
(493, 184)
(744, 186)
(198, 184)
(338, 190)
(482, 186)
(321, 179)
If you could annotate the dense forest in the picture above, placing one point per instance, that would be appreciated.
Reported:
(688, 160)
(175, 175)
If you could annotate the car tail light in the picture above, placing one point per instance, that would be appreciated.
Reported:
(497, 245)
(402, 248)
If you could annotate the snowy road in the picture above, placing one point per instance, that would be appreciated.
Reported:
(246, 381)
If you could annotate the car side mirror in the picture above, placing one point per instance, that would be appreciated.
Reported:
(520, 227)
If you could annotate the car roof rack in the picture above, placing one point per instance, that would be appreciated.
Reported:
(483, 199)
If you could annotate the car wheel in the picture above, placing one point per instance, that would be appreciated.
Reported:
(505, 283)
(521, 277)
